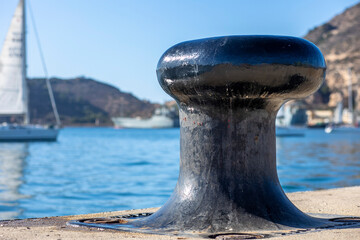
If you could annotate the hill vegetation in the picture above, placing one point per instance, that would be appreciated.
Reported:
(83, 101)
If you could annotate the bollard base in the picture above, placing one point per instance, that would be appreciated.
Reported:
(341, 201)
(125, 223)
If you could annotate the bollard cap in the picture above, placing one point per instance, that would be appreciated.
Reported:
(242, 67)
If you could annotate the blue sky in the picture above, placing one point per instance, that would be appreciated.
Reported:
(120, 42)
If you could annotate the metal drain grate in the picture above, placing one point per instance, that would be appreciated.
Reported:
(130, 216)
(236, 236)
(104, 220)
(346, 219)
(115, 219)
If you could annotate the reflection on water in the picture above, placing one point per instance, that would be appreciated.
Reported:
(102, 169)
(319, 161)
(12, 161)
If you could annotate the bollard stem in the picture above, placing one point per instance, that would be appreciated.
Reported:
(227, 148)
(228, 179)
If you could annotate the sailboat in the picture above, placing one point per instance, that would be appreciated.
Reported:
(13, 86)
(336, 126)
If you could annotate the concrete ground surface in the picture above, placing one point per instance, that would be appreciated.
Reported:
(341, 201)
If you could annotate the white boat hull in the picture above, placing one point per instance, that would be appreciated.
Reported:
(27, 134)
(153, 122)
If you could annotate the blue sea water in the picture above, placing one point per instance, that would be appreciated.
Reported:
(103, 169)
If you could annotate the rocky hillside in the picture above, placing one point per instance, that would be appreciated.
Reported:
(83, 101)
(339, 40)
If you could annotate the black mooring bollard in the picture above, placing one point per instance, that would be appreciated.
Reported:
(229, 90)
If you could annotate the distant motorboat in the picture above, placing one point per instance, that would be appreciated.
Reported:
(317, 125)
(162, 118)
(13, 86)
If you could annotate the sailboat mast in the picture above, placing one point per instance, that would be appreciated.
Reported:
(24, 73)
(350, 98)
(48, 84)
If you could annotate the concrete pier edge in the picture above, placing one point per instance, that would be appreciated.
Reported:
(339, 202)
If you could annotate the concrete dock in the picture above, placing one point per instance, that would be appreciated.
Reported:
(341, 201)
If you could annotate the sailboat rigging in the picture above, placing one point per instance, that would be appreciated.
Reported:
(48, 84)
(13, 85)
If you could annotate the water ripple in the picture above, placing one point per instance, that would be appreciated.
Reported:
(103, 169)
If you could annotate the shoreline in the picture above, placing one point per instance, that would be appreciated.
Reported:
(337, 201)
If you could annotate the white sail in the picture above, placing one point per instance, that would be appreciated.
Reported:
(13, 88)
(338, 114)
